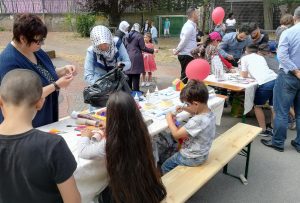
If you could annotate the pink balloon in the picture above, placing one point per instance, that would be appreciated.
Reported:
(197, 69)
(218, 15)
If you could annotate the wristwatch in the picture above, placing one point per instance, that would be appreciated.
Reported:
(57, 88)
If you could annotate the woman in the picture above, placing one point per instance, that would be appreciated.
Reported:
(135, 45)
(122, 31)
(104, 54)
(24, 51)
(286, 21)
(230, 23)
(133, 176)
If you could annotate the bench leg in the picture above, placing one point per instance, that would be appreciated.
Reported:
(242, 177)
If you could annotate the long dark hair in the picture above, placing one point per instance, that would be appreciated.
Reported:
(130, 162)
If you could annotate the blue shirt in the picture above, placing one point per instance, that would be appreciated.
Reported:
(153, 32)
(92, 72)
(11, 59)
(231, 46)
(288, 51)
(167, 24)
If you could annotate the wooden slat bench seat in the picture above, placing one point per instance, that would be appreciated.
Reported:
(182, 182)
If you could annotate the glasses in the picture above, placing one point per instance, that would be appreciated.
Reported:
(39, 41)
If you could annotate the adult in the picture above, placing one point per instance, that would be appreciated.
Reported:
(154, 33)
(122, 31)
(135, 45)
(24, 51)
(167, 25)
(147, 26)
(258, 36)
(233, 44)
(286, 21)
(104, 54)
(287, 86)
(230, 23)
(187, 41)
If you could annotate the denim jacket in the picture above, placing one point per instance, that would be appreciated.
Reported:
(92, 72)
(230, 45)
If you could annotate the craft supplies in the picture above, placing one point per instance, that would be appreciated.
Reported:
(83, 121)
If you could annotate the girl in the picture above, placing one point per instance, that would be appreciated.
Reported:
(149, 62)
(133, 176)
(209, 49)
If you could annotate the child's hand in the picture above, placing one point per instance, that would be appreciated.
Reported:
(86, 133)
(155, 50)
(232, 70)
(179, 109)
(170, 117)
(102, 125)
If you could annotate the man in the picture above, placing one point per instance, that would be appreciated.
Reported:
(154, 33)
(167, 25)
(187, 41)
(258, 36)
(233, 44)
(287, 86)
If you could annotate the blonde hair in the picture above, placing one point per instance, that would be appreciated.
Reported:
(286, 19)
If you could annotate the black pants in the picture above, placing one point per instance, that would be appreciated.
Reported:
(184, 61)
(134, 81)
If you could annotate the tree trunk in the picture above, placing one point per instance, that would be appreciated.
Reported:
(268, 15)
(114, 15)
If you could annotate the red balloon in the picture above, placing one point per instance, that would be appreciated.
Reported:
(218, 15)
(197, 69)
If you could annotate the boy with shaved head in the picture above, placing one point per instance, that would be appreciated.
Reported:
(35, 166)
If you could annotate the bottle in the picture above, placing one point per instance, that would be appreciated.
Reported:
(218, 68)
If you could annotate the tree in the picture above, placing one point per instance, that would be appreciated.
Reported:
(268, 14)
(114, 8)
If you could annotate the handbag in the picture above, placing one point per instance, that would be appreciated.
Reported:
(98, 93)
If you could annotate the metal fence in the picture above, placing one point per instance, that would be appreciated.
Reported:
(40, 6)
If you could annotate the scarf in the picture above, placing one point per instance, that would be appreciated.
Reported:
(102, 35)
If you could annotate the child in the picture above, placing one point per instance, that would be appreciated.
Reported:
(256, 66)
(133, 176)
(35, 166)
(154, 33)
(149, 62)
(210, 49)
(199, 131)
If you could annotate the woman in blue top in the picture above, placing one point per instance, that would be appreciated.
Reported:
(106, 53)
(24, 51)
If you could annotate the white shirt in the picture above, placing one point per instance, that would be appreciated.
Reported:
(257, 67)
(187, 38)
(230, 22)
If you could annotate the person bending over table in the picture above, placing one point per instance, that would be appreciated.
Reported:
(256, 66)
(24, 51)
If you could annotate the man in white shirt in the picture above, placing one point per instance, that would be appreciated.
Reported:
(187, 41)
(230, 23)
(256, 66)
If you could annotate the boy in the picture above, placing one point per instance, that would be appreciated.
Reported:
(35, 166)
(198, 133)
(256, 66)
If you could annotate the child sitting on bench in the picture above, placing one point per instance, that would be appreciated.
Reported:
(198, 133)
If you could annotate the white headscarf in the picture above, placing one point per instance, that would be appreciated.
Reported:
(102, 35)
(124, 25)
(136, 27)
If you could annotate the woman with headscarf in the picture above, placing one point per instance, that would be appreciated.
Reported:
(104, 54)
(135, 45)
(122, 31)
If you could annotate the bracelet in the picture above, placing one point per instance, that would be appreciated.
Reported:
(57, 88)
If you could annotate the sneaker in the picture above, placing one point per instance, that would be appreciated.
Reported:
(266, 133)
(269, 127)
(143, 84)
(268, 143)
(148, 84)
(294, 144)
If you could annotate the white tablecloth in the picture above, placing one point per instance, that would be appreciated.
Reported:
(250, 89)
(91, 175)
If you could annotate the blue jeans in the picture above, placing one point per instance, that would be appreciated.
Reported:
(286, 93)
(177, 159)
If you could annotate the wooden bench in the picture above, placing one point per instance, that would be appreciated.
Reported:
(182, 182)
